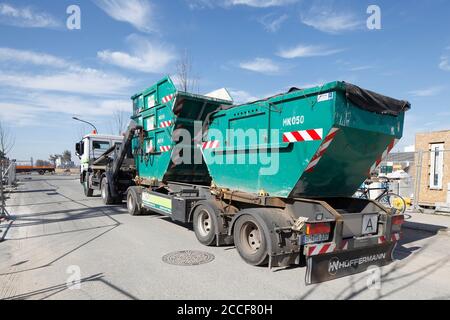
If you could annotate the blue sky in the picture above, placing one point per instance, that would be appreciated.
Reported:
(255, 48)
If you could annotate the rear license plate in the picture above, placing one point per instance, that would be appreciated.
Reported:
(333, 266)
(370, 224)
(315, 238)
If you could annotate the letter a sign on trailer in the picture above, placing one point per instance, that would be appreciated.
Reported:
(370, 224)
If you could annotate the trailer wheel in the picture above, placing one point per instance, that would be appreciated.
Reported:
(106, 195)
(250, 241)
(87, 191)
(132, 203)
(205, 225)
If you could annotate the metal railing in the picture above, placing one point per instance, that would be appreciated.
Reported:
(8, 178)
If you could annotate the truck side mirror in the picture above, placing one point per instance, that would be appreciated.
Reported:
(79, 148)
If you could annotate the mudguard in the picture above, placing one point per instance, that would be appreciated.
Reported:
(327, 267)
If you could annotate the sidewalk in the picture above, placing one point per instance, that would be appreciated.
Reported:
(427, 222)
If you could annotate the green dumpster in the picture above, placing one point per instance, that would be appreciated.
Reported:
(161, 110)
(318, 142)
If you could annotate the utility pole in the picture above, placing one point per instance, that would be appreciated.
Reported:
(418, 180)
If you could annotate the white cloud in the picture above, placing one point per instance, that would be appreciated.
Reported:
(201, 4)
(138, 13)
(36, 58)
(9, 112)
(82, 105)
(260, 65)
(241, 96)
(361, 68)
(146, 56)
(305, 51)
(445, 63)
(66, 76)
(326, 19)
(88, 81)
(427, 92)
(37, 109)
(260, 3)
(273, 23)
(26, 17)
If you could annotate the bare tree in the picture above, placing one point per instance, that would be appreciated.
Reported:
(185, 77)
(120, 122)
(7, 140)
(67, 156)
(53, 158)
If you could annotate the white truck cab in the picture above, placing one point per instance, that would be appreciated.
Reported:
(89, 149)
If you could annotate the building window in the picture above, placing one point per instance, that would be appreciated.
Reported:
(437, 166)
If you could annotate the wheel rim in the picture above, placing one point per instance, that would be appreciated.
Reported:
(393, 202)
(104, 191)
(130, 203)
(397, 203)
(250, 237)
(204, 223)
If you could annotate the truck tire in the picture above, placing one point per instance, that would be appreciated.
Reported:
(106, 194)
(205, 225)
(134, 203)
(250, 241)
(87, 191)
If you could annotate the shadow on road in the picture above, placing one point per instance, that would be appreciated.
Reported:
(85, 212)
(54, 290)
(40, 218)
(34, 191)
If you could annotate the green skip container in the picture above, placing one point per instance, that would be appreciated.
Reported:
(161, 110)
(312, 143)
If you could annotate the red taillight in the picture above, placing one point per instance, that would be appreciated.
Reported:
(317, 228)
(398, 220)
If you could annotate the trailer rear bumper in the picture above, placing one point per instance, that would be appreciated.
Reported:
(328, 261)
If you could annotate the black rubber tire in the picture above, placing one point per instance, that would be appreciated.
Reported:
(106, 194)
(205, 229)
(87, 192)
(133, 204)
(259, 257)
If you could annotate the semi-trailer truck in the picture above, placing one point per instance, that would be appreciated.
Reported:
(203, 160)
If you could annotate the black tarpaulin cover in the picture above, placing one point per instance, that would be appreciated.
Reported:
(375, 102)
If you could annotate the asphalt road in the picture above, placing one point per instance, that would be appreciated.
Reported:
(57, 232)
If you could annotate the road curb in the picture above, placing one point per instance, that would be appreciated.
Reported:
(444, 232)
(427, 228)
